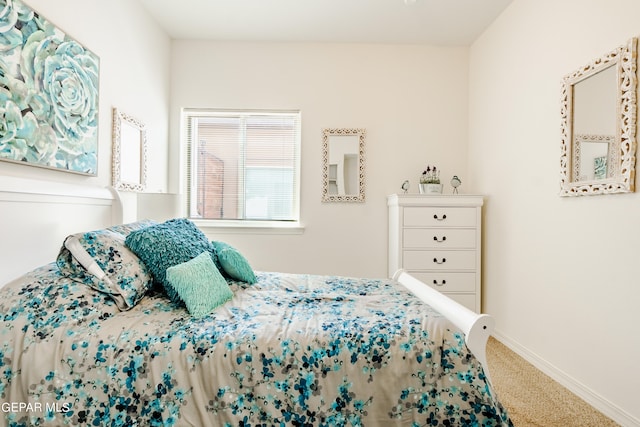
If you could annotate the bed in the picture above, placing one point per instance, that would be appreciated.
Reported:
(94, 338)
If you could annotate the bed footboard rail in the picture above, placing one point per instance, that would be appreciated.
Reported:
(476, 327)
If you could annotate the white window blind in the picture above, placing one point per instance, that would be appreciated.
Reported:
(243, 165)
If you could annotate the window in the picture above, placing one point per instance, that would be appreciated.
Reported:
(243, 165)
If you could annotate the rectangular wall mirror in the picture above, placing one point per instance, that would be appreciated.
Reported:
(599, 104)
(129, 152)
(343, 165)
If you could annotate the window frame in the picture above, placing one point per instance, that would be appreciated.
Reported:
(239, 225)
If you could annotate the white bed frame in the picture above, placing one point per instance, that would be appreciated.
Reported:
(476, 327)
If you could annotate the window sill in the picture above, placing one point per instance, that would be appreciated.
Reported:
(250, 227)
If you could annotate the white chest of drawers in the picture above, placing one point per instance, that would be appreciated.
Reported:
(438, 240)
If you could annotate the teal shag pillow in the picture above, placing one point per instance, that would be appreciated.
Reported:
(199, 285)
(233, 263)
(167, 244)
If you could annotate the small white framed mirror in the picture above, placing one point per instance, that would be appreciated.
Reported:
(343, 178)
(129, 152)
(598, 111)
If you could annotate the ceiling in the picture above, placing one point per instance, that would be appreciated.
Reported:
(436, 22)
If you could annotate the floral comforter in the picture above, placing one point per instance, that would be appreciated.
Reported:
(290, 350)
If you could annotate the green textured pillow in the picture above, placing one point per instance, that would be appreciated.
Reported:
(164, 245)
(199, 284)
(233, 263)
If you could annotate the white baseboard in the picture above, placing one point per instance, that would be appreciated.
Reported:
(585, 393)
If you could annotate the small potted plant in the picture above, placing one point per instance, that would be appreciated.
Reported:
(430, 181)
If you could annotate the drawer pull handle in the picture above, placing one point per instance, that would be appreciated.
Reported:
(435, 282)
(440, 240)
(439, 262)
(437, 218)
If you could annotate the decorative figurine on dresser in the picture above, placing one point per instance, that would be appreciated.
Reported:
(437, 239)
(455, 183)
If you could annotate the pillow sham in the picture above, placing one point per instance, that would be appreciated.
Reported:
(233, 263)
(101, 260)
(167, 244)
(199, 284)
(125, 229)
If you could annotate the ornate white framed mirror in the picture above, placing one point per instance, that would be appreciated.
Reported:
(129, 152)
(343, 178)
(598, 110)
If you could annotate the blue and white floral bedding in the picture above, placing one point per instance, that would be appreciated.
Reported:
(289, 350)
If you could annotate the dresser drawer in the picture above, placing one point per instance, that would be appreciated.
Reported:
(448, 281)
(419, 216)
(439, 260)
(439, 238)
(468, 300)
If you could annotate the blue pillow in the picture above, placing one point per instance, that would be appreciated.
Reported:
(233, 263)
(199, 285)
(167, 244)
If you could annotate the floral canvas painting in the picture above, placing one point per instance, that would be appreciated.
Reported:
(600, 167)
(48, 94)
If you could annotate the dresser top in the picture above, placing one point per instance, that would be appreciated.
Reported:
(434, 200)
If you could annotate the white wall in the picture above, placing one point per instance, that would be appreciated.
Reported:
(560, 274)
(134, 77)
(412, 100)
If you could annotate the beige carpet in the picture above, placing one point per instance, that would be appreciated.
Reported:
(533, 398)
